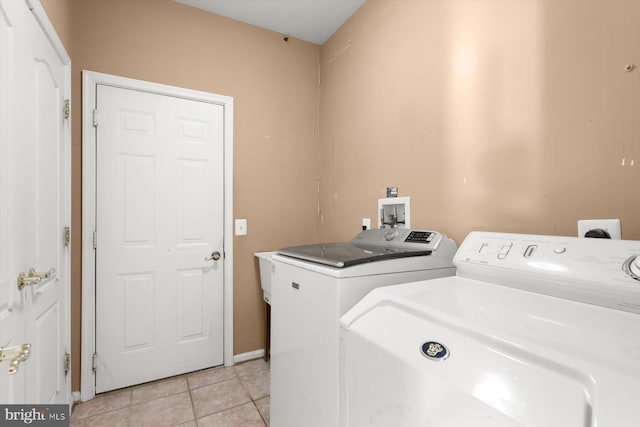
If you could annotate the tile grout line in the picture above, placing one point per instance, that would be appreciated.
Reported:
(193, 407)
(106, 411)
(244, 388)
(231, 407)
(260, 413)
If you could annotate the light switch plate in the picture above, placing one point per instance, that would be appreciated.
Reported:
(611, 226)
(241, 227)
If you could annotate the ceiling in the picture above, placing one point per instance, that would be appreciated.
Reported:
(310, 20)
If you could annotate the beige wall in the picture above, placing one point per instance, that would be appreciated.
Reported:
(492, 115)
(275, 89)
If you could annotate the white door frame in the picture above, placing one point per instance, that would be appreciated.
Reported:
(89, 81)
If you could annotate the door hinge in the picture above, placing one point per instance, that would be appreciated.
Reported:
(67, 109)
(95, 239)
(94, 362)
(67, 363)
(67, 236)
(95, 117)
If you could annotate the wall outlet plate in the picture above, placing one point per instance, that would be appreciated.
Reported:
(366, 223)
(611, 226)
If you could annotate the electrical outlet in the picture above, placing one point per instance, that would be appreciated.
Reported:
(241, 227)
(611, 226)
(366, 223)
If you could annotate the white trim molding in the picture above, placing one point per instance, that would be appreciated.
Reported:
(41, 17)
(90, 80)
(252, 355)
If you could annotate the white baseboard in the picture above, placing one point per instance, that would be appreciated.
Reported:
(257, 354)
(75, 399)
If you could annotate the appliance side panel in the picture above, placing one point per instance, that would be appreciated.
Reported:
(304, 347)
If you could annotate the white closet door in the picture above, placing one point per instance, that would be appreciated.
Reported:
(33, 188)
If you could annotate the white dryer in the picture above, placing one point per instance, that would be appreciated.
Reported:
(533, 331)
(312, 287)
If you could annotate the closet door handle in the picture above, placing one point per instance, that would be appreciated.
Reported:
(45, 275)
(27, 281)
(33, 278)
(15, 355)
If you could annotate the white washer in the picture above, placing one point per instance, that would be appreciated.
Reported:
(309, 296)
(533, 331)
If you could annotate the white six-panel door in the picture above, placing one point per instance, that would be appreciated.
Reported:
(34, 189)
(159, 214)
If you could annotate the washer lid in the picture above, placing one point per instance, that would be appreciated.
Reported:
(347, 254)
(371, 246)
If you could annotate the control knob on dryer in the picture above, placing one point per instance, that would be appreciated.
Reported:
(632, 267)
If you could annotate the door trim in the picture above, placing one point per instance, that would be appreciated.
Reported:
(43, 20)
(89, 81)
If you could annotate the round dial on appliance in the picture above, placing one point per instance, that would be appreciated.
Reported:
(390, 235)
(632, 267)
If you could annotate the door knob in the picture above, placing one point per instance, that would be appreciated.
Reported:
(15, 354)
(215, 255)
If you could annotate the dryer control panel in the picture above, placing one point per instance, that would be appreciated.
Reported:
(599, 271)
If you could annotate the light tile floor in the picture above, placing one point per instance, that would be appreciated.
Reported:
(219, 397)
